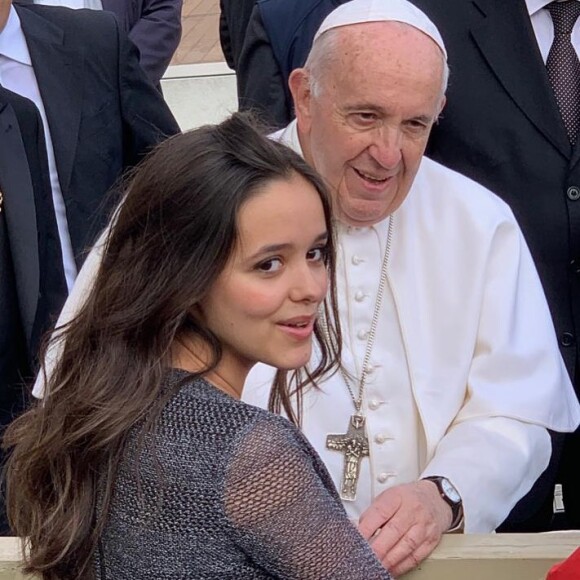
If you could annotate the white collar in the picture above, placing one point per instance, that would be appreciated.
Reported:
(535, 5)
(289, 136)
(12, 42)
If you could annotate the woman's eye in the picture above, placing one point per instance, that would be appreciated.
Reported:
(271, 265)
(317, 254)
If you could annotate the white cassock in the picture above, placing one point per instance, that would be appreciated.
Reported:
(465, 373)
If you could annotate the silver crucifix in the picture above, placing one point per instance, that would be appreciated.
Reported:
(354, 445)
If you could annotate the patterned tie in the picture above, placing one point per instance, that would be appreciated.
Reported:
(563, 66)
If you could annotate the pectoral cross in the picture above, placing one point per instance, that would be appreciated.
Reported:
(354, 444)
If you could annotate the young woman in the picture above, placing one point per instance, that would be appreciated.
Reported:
(141, 461)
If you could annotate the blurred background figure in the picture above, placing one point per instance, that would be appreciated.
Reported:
(278, 39)
(32, 283)
(154, 26)
(99, 115)
(234, 18)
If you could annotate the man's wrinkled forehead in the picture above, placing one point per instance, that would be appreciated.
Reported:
(366, 11)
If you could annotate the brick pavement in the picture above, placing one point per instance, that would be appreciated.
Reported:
(200, 37)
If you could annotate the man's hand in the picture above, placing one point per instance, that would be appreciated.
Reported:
(405, 523)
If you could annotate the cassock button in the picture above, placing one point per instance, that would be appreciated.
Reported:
(573, 193)
(575, 266)
(380, 438)
(356, 260)
(382, 478)
(359, 296)
(362, 334)
(567, 339)
(374, 405)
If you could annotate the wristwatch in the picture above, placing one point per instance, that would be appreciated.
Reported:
(451, 497)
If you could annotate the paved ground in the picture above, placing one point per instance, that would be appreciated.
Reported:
(200, 38)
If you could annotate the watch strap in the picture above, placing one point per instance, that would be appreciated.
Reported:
(457, 519)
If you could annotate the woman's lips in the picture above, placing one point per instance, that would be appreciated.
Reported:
(300, 327)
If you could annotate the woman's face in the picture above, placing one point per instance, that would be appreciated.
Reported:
(264, 304)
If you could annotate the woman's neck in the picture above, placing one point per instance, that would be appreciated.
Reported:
(194, 355)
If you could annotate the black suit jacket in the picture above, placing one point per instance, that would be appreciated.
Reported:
(32, 285)
(155, 28)
(33, 263)
(103, 113)
(277, 40)
(501, 126)
(234, 18)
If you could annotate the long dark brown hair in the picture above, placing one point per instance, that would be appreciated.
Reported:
(172, 237)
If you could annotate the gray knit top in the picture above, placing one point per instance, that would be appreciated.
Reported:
(232, 492)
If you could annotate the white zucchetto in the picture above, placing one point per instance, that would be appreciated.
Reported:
(360, 11)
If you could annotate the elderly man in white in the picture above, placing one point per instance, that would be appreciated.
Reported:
(452, 369)
(452, 374)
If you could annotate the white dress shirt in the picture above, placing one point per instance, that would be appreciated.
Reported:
(92, 4)
(544, 28)
(17, 75)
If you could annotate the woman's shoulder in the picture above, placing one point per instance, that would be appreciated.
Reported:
(197, 413)
(197, 404)
(275, 429)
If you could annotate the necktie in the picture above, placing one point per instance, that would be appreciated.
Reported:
(563, 66)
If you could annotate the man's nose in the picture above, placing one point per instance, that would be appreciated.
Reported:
(386, 148)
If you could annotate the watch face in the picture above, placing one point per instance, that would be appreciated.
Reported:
(450, 491)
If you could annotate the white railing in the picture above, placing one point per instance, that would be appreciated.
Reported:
(200, 93)
(458, 557)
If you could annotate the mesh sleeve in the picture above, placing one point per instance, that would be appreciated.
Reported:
(285, 512)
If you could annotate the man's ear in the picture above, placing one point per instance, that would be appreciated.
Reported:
(299, 84)
(442, 105)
